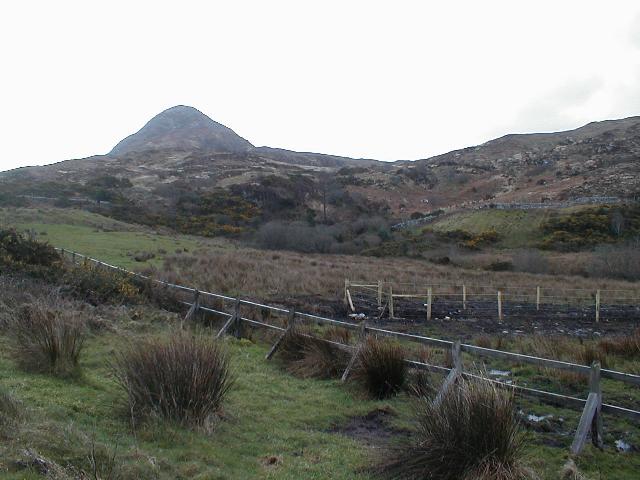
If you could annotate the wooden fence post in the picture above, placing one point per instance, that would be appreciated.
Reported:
(379, 293)
(537, 298)
(232, 320)
(455, 372)
(429, 299)
(391, 312)
(464, 297)
(290, 323)
(591, 418)
(73, 258)
(596, 387)
(193, 309)
(597, 306)
(499, 306)
(356, 353)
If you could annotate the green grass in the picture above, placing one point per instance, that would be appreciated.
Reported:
(97, 236)
(268, 414)
(518, 228)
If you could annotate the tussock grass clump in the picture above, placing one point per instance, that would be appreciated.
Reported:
(381, 367)
(47, 337)
(184, 378)
(473, 433)
(624, 346)
(11, 412)
(308, 357)
(570, 471)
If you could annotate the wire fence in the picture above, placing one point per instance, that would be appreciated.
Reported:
(237, 312)
(413, 301)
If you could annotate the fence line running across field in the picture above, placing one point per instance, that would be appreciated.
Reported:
(592, 406)
(489, 300)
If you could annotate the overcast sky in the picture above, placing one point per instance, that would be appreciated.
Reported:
(385, 80)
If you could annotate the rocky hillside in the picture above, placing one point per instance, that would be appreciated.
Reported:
(182, 128)
(182, 164)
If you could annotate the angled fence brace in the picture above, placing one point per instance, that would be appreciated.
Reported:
(232, 320)
(591, 418)
(193, 309)
(346, 287)
(354, 357)
(455, 372)
(290, 323)
(350, 301)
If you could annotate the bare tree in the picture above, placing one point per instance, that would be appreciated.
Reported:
(617, 223)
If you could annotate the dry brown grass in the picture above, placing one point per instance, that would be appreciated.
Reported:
(567, 349)
(184, 378)
(269, 274)
(570, 471)
(11, 413)
(48, 336)
(472, 433)
(381, 367)
(308, 357)
(628, 346)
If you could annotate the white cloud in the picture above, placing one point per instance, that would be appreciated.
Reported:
(388, 80)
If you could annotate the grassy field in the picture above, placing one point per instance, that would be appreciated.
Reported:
(226, 267)
(99, 237)
(517, 228)
(273, 424)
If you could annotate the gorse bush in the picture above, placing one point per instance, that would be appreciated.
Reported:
(98, 285)
(47, 337)
(15, 248)
(471, 434)
(381, 367)
(184, 378)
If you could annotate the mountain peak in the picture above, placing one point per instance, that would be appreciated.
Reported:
(182, 128)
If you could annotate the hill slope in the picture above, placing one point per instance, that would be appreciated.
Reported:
(181, 157)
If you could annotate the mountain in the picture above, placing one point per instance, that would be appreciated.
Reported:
(182, 165)
(182, 128)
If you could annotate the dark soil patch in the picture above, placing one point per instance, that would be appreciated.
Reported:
(372, 429)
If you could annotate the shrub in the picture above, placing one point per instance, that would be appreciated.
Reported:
(499, 266)
(381, 367)
(14, 248)
(619, 261)
(46, 338)
(184, 378)
(307, 357)
(472, 433)
(96, 285)
(531, 261)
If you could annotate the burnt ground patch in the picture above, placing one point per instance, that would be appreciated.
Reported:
(373, 429)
